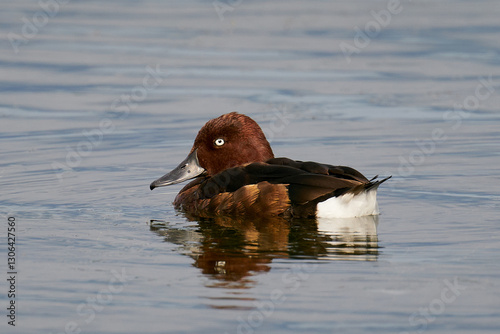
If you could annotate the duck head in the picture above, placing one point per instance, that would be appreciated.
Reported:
(227, 141)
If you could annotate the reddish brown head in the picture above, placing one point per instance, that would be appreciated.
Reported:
(227, 141)
(230, 140)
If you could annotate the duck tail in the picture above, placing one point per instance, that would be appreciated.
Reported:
(373, 184)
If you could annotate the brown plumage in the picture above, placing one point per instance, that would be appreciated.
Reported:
(279, 186)
(250, 200)
(236, 174)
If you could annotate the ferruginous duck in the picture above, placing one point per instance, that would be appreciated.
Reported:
(236, 174)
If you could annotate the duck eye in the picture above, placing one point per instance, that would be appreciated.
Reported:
(219, 142)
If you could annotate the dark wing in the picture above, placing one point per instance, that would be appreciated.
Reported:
(342, 172)
(306, 181)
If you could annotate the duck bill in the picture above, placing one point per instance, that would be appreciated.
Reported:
(188, 169)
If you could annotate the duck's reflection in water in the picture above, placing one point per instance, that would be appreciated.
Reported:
(349, 238)
(231, 251)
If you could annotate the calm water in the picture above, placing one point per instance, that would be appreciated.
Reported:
(99, 99)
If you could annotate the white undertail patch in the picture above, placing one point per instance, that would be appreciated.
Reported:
(349, 205)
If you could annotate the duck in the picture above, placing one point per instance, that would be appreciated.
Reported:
(233, 172)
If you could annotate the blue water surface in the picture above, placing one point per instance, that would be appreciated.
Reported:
(98, 99)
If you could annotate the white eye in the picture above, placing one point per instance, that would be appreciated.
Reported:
(219, 142)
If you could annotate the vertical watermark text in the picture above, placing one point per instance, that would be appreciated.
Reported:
(11, 271)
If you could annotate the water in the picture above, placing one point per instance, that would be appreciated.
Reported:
(103, 98)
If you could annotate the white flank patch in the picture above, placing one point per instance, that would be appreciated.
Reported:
(348, 205)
